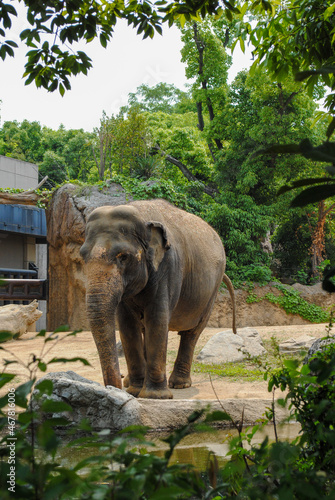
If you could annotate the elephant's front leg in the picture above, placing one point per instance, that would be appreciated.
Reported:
(156, 336)
(132, 343)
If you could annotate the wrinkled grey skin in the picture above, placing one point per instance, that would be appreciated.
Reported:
(153, 268)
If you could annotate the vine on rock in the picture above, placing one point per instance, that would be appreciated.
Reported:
(292, 303)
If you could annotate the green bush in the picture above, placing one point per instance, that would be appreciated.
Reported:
(311, 394)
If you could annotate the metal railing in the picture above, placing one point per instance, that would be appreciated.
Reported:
(17, 285)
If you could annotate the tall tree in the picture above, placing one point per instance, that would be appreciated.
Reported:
(121, 142)
(163, 97)
(261, 113)
(207, 65)
(104, 143)
(295, 37)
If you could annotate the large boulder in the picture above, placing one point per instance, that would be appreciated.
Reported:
(318, 345)
(17, 319)
(296, 345)
(66, 219)
(112, 408)
(104, 407)
(227, 347)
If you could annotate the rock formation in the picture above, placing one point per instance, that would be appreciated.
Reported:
(264, 313)
(104, 407)
(318, 345)
(296, 345)
(16, 318)
(112, 408)
(227, 347)
(66, 219)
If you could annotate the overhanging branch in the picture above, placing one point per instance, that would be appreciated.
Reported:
(187, 173)
(29, 197)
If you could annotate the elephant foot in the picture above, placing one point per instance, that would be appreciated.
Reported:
(155, 393)
(134, 390)
(126, 381)
(176, 382)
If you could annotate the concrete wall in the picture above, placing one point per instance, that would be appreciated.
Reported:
(17, 174)
(42, 264)
(12, 249)
(16, 250)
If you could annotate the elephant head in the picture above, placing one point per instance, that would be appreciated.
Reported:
(120, 252)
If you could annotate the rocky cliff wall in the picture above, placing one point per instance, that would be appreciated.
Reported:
(66, 218)
(264, 313)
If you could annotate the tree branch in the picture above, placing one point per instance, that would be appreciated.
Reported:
(187, 173)
(29, 197)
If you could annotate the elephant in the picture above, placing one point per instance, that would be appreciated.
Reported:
(153, 268)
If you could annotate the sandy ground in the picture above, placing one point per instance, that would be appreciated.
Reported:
(82, 345)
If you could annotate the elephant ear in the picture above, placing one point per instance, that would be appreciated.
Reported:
(158, 242)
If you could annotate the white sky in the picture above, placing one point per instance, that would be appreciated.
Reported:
(127, 62)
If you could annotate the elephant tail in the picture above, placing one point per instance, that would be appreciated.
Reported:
(230, 287)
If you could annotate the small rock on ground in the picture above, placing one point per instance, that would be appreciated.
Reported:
(227, 347)
(295, 345)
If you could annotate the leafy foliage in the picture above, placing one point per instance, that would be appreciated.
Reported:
(54, 28)
(311, 394)
(291, 301)
(121, 466)
(162, 97)
(297, 39)
(61, 154)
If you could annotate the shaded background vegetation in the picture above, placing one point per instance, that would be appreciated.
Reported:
(198, 150)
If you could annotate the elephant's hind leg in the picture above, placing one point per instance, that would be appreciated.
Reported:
(180, 377)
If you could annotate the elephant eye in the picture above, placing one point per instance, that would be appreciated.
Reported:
(122, 257)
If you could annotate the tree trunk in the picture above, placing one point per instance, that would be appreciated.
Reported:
(200, 48)
(317, 249)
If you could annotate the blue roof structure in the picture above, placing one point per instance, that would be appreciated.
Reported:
(23, 219)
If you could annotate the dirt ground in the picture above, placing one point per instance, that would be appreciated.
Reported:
(82, 345)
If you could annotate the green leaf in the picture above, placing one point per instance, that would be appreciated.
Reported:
(45, 387)
(22, 392)
(11, 43)
(103, 40)
(291, 364)
(42, 366)
(313, 195)
(303, 183)
(5, 378)
(42, 333)
(216, 416)
(69, 360)
(5, 336)
(62, 328)
(50, 406)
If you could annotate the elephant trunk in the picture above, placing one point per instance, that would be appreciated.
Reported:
(102, 300)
